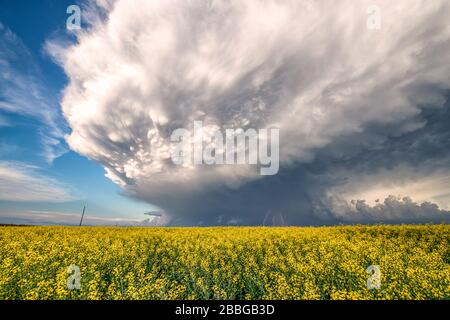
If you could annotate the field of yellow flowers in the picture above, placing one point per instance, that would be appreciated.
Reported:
(225, 263)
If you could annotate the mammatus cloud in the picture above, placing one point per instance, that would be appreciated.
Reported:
(336, 89)
(21, 182)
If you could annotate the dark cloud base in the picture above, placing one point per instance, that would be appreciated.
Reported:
(297, 194)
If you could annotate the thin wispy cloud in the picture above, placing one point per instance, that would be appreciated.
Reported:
(36, 217)
(22, 182)
(23, 91)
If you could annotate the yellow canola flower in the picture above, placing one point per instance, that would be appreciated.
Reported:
(225, 262)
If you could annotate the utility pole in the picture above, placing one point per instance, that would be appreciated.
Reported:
(82, 215)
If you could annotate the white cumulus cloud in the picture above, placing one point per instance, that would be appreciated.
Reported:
(311, 68)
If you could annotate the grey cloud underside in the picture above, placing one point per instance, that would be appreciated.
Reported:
(299, 192)
(349, 102)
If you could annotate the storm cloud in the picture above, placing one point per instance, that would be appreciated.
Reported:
(354, 105)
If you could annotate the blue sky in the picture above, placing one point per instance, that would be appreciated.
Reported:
(25, 131)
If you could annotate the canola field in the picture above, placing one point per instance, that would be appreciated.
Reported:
(225, 263)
